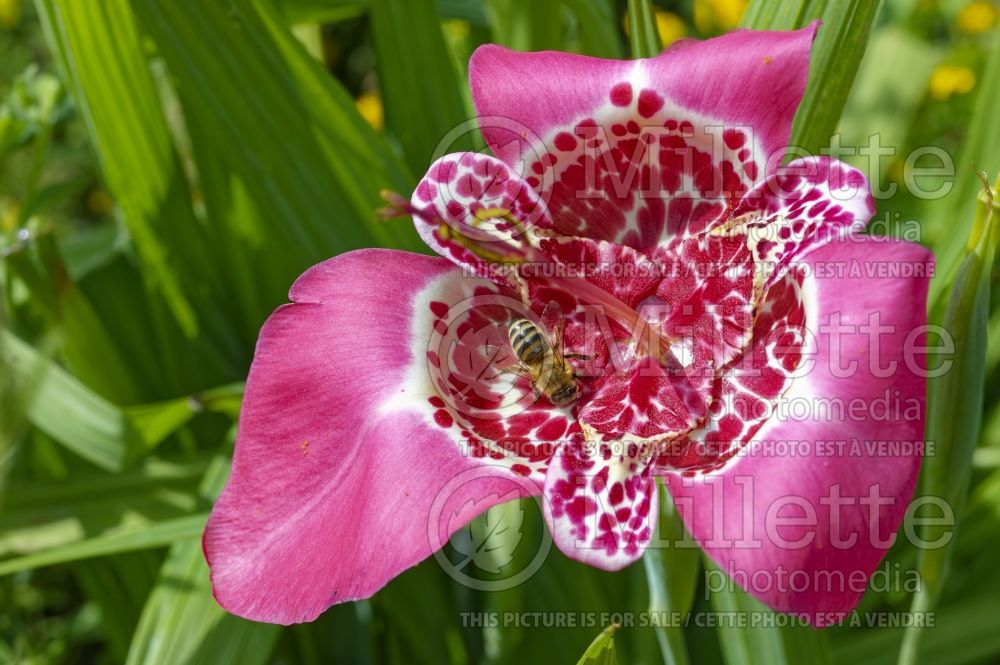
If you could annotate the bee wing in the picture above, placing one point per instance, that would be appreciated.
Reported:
(553, 313)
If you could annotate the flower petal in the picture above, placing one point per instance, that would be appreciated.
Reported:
(850, 498)
(711, 290)
(344, 445)
(805, 204)
(745, 392)
(476, 211)
(638, 152)
(652, 400)
(598, 502)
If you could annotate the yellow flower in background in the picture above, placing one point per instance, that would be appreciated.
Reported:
(978, 17)
(718, 15)
(670, 26)
(949, 80)
(370, 107)
(10, 13)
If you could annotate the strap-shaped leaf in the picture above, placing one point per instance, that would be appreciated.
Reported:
(420, 88)
(840, 45)
(955, 408)
(182, 623)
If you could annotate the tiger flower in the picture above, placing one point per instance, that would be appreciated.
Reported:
(638, 216)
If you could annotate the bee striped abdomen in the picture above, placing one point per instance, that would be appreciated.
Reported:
(528, 341)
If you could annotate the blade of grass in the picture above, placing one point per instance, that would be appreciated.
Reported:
(672, 572)
(602, 650)
(68, 411)
(758, 642)
(599, 34)
(40, 517)
(287, 183)
(981, 152)
(954, 409)
(141, 537)
(181, 621)
(526, 25)
(118, 99)
(836, 56)
(420, 88)
(643, 37)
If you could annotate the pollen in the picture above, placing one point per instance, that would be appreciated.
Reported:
(305, 448)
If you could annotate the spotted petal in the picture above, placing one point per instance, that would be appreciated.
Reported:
(349, 467)
(804, 205)
(803, 530)
(636, 152)
(598, 502)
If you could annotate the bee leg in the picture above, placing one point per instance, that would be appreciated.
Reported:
(577, 356)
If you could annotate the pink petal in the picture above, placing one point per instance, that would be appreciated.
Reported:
(716, 116)
(711, 290)
(475, 210)
(652, 400)
(808, 202)
(741, 514)
(346, 462)
(598, 502)
(746, 392)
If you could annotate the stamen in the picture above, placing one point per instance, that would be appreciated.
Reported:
(652, 343)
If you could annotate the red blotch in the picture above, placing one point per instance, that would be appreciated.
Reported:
(443, 418)
(565, 141)
(621, 94)
(734, 138)
(649, 103)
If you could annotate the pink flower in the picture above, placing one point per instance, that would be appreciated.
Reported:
(703, 291)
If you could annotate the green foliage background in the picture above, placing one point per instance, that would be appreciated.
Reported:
(167, 168)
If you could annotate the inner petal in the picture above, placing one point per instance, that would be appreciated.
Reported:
(640, 170)
(598, 502)
(747, 392)
(807, 203)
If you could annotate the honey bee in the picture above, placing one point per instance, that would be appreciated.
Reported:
(542, 360)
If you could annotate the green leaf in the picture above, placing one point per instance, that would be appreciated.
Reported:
(955, 407)
(117, 96)
(420, 88)
(672, 564)
(758, 642)
(181, 621)
(286, 183)
(981, 151)
(527, 25)
(643, 37)
(883, 103)
(38, 517)
(323, 11)
(836, 56)
(68, 411)
(599, 32)
(131, 539)
(92, 427)
(964, 632)
(320, 11)
(602, 650)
